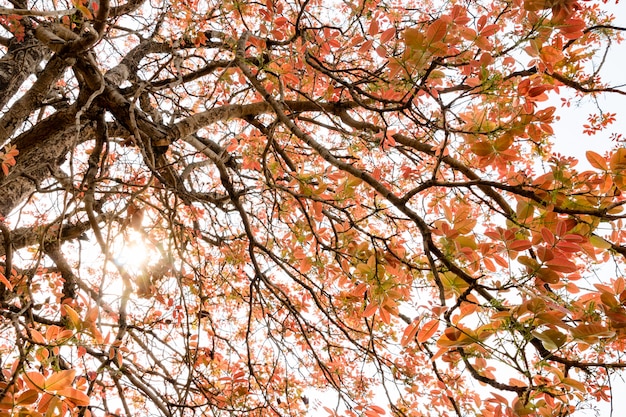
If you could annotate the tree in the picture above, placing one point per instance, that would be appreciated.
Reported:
(228, 208)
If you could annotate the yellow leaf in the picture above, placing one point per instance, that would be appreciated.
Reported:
(482, 148)
(54, 408)
(455, 338)
(504, 142)
(574, 384)
(413, 38)
(73, 316)
(599, 243)
(550, 339)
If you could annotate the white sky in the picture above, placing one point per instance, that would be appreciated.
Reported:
(569, 140)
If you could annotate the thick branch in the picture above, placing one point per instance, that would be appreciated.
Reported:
(23, 107)
(43, 13)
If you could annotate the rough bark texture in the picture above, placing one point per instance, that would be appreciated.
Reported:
(21, 60)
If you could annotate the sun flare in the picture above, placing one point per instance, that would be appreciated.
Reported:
(133, 253)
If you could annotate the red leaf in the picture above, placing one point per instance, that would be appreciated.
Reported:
(547, 235)
(387, 35)
(374, 28)
(520, 245)
(280, 21)
(562, 265)
(366, 46)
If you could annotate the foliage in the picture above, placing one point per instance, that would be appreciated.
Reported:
(233, 207)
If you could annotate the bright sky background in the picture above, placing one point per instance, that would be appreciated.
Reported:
(569, 140)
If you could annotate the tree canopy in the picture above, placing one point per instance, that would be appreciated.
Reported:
(292, 207)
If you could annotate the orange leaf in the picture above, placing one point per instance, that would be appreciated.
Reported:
(377, 409)
(384, 315)
(499, 398)
(27, 397)
(77, 397)
(458, 339)
(604, 288)
(436, 31)
(366, 46)
(6, 403)
(489, 30)
(586, 331)
(60, 380)
(51, 405)
(370, 310)
(572, 26)
(596, 160)
(280, 21)
(37, 337)
(3, 279)
(550, 54)
(618, 160)
(409, 332)
(35, 380)
(551, 317)
(428, 330)
(536, 91)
